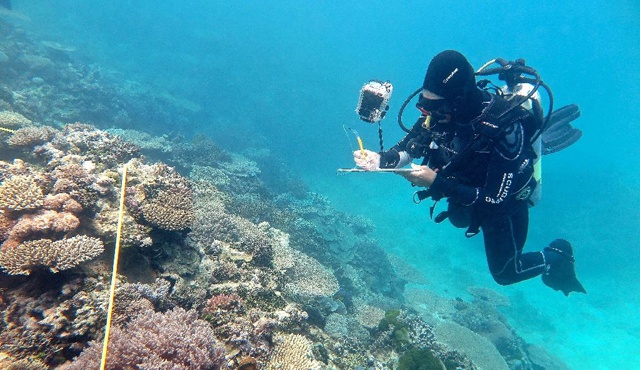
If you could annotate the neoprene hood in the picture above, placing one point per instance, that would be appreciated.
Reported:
(449, 74)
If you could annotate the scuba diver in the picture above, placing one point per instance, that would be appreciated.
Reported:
(478, 150)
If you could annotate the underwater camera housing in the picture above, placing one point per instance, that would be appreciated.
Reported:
(374, 100)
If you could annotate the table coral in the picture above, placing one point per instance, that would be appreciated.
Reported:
(56, 255)
(309, 279)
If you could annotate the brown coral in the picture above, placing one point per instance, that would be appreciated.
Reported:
(31, 136)
(61, 202)
(56, 255)
(171, 210)
(13, 119)
(44, 223)
(247, 363)
(20, 193)
(6, 225)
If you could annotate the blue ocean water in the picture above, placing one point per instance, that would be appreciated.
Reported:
(284, 76)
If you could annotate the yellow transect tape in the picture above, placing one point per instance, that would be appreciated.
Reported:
(7, 130)
(114, 273)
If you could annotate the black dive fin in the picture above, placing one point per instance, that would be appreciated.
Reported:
(559, 133)
(5, 4)
(560, 140)
(562, 273)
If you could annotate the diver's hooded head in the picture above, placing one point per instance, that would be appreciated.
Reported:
(450, 77)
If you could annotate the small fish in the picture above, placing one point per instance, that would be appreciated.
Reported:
(5, 4)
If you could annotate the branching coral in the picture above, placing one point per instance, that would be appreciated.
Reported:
(56, 255)
(160, 341)
(13, 119)
(292, 352)
(171, 209)
(30, 136)
(20, 193)
(95, 145)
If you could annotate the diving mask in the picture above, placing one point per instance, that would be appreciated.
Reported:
(437, 109)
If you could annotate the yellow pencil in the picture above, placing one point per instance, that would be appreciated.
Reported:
(364, 154)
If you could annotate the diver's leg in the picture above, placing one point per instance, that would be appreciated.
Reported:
(504, 239)
(560, 272)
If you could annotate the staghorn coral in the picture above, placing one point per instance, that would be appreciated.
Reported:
(10, 363)
(20, 193)
(367, 315)
(292, 352)
(105, 223)
(213, 222)
(160, 341)
(13, 120)
(56, 255)
(171, 209)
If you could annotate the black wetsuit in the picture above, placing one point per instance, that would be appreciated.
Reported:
(487, 182)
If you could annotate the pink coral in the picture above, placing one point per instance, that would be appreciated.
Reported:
(231, 302)
(44, 223)
(62, 202)
(172, 340)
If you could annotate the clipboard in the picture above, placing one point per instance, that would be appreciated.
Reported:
(379, 170)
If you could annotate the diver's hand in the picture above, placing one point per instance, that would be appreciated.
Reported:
(370, 161)
(423, 176)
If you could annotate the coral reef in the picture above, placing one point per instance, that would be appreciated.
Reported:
(235, 266)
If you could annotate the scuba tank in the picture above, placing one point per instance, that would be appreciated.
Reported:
(523, 89)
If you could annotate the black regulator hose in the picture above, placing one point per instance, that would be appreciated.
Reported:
(404, 105)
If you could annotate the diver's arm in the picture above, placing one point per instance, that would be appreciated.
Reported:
(398, 156)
